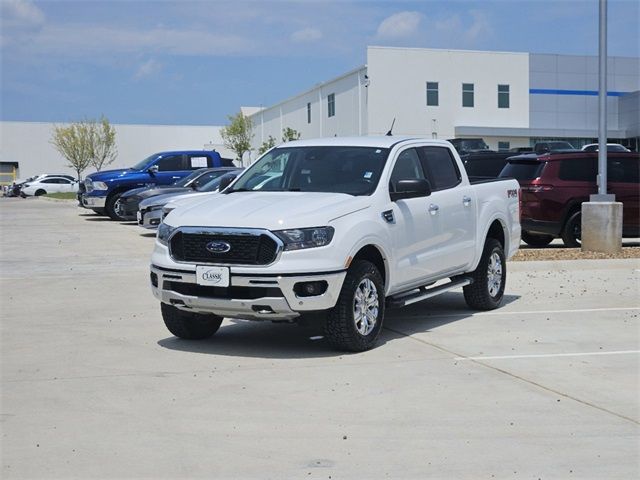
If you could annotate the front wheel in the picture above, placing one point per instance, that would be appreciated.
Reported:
(354, 324)
(112, 207)
(571, 235)
(188, 325)
(489, 278)
(40, 193)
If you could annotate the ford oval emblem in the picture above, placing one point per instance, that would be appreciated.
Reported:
(218, 247)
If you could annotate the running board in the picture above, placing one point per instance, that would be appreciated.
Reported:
(402, 300)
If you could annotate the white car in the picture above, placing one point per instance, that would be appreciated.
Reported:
(611, 147)
(46, 185)
(345, 228)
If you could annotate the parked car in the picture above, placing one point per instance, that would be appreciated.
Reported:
(150, 210)
(469, 145)
(46, 185)
(521, 149)
(128, 204)
(611, 147)
(554, 186)
(547, 147)
(344, 228)
(103, 189)
(485, 164)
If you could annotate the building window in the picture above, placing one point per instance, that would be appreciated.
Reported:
(467, 94)
(308, 112)
(503, 96)
(331, 104)
(432, 94)
(503, 146)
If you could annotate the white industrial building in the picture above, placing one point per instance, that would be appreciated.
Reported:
(26, 150)
(510, 99)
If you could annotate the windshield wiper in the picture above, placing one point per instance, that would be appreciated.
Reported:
(232, 190)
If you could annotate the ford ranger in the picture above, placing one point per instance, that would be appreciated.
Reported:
(102, 190)
(337, 229)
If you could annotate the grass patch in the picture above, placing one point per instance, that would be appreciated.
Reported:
(62, 195)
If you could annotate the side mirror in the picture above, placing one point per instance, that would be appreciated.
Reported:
(417, 187)
(153, 169)
(226, 181)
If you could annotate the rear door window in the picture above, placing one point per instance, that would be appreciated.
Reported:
(583, 169)
(440, 167)
(522, 170)
(196, 161)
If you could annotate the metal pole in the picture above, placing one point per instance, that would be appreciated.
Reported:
(602, 101)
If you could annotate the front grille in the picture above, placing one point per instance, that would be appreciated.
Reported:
(246, 249)
(238, 293)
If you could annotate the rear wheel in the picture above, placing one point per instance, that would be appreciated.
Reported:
(354, 324)
(536, 239)
(489, 278)
(188, 325)
(571, 234)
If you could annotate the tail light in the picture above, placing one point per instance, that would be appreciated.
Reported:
(537, 188)
(520, 205)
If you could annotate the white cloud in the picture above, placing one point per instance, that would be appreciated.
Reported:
(147, 69)
(306, 35)
(461, 34)
(21, 13)
(402, 24)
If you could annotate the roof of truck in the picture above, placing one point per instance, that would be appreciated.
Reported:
(382, 141)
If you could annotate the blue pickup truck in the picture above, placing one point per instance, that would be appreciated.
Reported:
(102, 190)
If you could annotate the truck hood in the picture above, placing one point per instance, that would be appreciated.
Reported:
(270, 210)
(109, 174)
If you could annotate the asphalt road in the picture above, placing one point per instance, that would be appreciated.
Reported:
(94, 386)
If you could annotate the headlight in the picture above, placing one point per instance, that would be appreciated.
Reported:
(164, 232)
(305, 237)
(166, 211)
(100, 186)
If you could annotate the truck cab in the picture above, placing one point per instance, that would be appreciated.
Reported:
(102, 190)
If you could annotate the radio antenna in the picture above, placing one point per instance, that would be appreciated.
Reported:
(390, 132)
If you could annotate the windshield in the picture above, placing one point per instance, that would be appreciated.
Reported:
(185, 181)
(143, 163)
(213, 185)
(335, 169)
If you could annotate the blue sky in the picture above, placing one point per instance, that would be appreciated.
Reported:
(195, 62)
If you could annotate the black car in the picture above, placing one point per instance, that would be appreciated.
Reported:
(127, 205)
(485, 164)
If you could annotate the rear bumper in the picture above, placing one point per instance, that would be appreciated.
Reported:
(282, 305)
(541, 227)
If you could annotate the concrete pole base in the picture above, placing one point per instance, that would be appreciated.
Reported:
(601, 227)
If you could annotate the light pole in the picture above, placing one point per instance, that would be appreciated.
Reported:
(601, 229)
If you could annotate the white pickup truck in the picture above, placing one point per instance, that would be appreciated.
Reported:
(337, 229)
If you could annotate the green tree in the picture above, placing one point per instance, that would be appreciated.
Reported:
(74, 142)
(238, 134)
(289, 134)
(103, 143)
(270, 143)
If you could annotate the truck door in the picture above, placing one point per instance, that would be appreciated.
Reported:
(170, 169)
(413, 228)
(451, 210)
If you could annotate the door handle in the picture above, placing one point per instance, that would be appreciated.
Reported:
(433, 209)
(466, 201)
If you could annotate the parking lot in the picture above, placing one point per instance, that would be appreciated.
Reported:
(93, 385)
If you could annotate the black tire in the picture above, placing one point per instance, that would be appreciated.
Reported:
(342, 330)
(480, 294)
(187, 325)
(40, 192)
(110, 207)
(536, 239)
(571, 233)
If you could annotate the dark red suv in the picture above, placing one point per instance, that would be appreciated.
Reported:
(554, 185)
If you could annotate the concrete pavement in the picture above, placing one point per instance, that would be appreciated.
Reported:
(93, 385)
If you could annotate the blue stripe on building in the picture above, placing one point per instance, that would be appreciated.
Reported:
(590, 93)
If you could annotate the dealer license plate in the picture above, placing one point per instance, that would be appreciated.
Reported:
(212, 276)
(139, 217)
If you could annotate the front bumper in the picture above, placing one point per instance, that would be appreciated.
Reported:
(280, 301)
(93, 202)
(149, 218)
